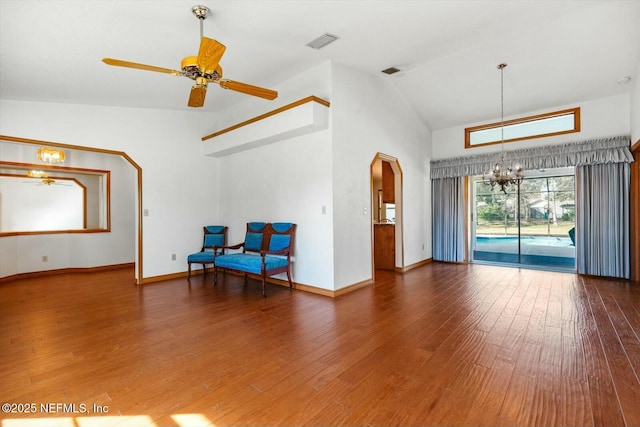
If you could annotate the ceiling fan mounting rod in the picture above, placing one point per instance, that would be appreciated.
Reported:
(201, 12)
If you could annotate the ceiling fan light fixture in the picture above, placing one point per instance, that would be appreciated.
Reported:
(322, 41)
(203, 69)
(33, 173)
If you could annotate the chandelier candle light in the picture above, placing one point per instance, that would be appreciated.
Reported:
(503, 175)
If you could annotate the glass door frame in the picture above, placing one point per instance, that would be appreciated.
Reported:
(560, 262)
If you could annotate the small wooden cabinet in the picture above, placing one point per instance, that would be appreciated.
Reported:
(388, 184)
(384, 236)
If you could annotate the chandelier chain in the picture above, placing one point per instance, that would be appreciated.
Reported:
(503, 175)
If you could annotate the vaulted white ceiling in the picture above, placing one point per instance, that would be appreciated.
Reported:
(558, 52)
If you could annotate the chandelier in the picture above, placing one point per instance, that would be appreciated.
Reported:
(503, 175)
(50, 155)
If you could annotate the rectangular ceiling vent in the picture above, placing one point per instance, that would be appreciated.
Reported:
(391, 70)
(322, 41)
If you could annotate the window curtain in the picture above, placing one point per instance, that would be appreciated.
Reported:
(605, 150)
(602, 208)
(448, 226)
(602, 219)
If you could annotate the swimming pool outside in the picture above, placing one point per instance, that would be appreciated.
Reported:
(526, 240)
(541, 251)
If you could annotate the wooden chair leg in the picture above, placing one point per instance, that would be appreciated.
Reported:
(289, 278)
(204, 267)
(215, 275)
(264, 289)
(189, 274)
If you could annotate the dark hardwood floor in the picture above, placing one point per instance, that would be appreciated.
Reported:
(443, 344)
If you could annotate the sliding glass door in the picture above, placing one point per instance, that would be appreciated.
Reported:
(530, 226)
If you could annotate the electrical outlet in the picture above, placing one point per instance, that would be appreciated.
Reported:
(45, 258)
(173, 257)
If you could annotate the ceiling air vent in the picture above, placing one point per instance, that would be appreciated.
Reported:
(322, 41)
(391, 70)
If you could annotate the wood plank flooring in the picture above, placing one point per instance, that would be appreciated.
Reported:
(443, 344)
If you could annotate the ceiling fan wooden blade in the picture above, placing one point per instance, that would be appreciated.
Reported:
(197, 95)
(127, 64)
(248, 89)
(209, 55)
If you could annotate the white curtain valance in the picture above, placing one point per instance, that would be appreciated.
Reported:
(596, 151)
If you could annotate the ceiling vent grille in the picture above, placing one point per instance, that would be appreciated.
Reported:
(391, 70)
(322, 41)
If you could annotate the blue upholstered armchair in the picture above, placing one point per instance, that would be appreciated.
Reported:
(214, 235)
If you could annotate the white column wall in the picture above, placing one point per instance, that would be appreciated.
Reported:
(369, 116)
(286, 181)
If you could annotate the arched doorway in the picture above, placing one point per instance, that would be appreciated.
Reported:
(386, 214)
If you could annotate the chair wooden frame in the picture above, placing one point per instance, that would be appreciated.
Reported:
(198, 257)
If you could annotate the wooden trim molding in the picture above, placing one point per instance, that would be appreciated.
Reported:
(34, 274)
(352, 288)
(269, 114)
(576, 127)
(634, 214)
(414, 265)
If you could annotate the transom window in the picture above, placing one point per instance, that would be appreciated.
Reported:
(548, 124)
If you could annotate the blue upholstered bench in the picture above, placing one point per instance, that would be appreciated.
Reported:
(266, 250)
(214, 235)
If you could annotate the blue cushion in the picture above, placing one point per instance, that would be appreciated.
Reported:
(282, 227)
(279, 242)
(211, 240)
(256, 226)
(249, 263)
(215, 228)
(206, 257)
(253, 241)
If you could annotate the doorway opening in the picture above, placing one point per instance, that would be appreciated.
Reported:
(529, 226)
(386, 214)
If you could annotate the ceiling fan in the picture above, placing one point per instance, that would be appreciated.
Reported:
(39, 177)
(203, 69)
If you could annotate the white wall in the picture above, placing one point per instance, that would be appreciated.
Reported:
(599, 118)
(28, 204)
(291, 180)
(286, 181)
(179, 184)
(635, 108)
(369, 116)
